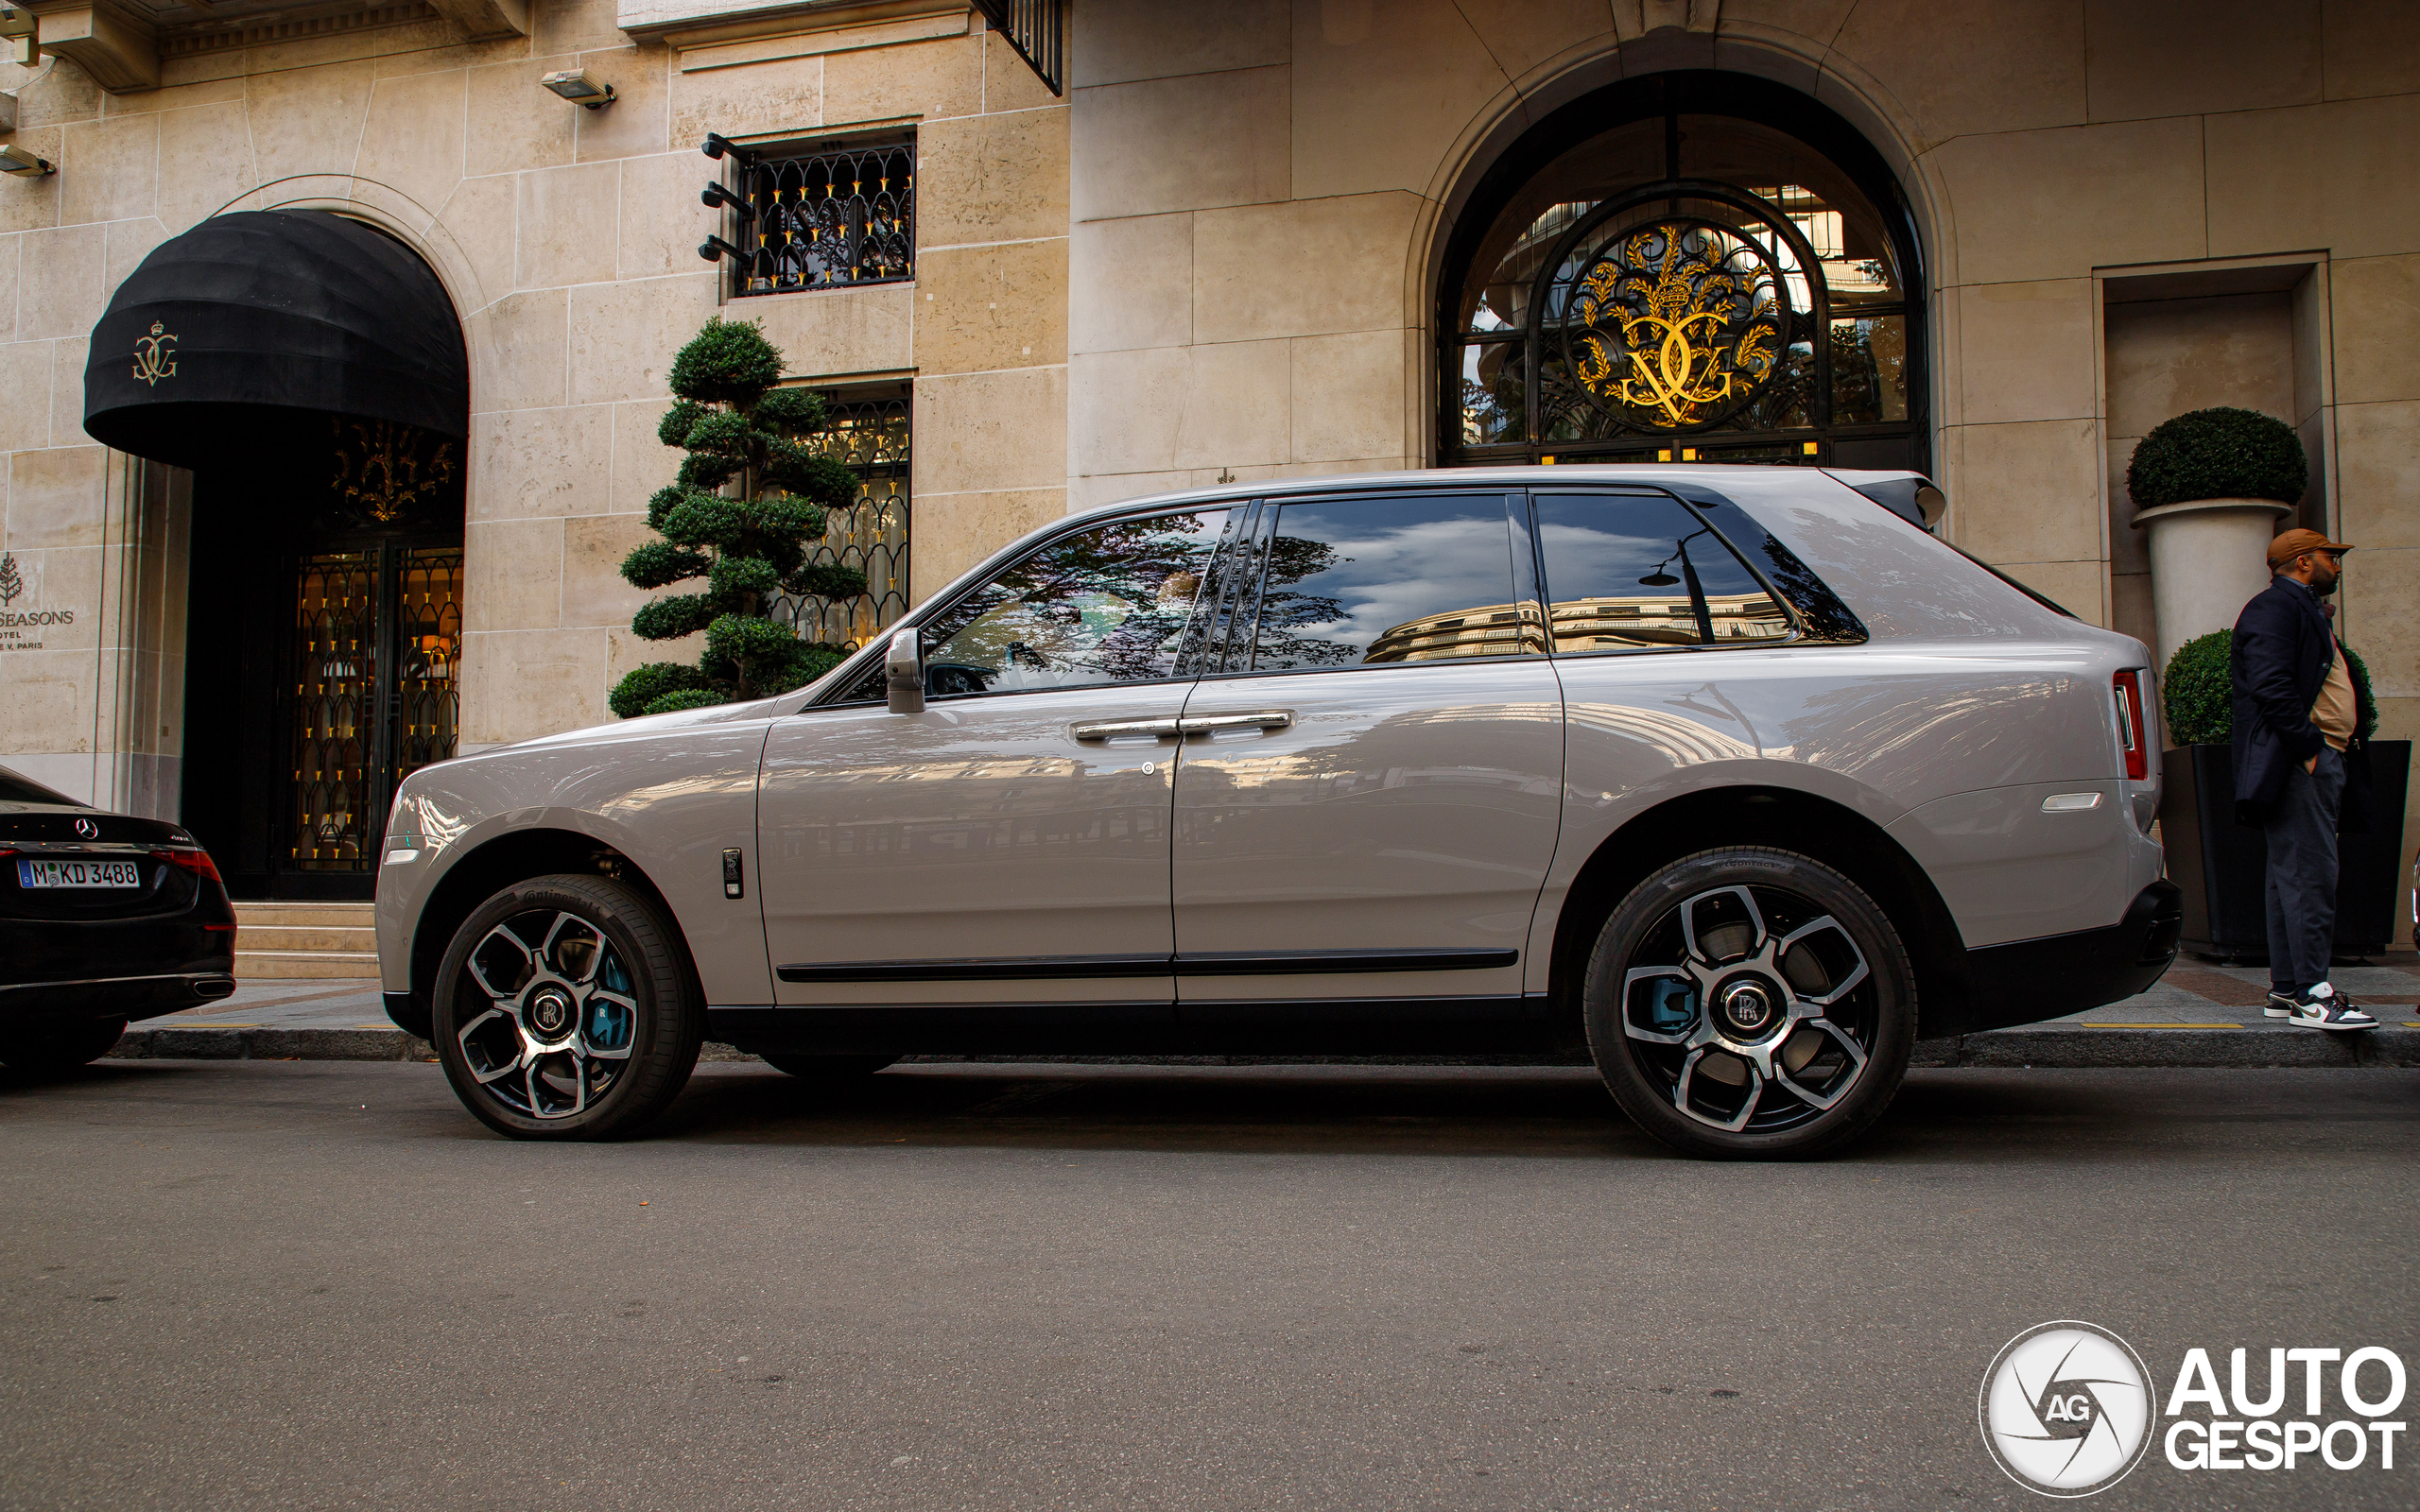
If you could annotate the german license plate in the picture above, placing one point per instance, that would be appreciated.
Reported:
(43, 872)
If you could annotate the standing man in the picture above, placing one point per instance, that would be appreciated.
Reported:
(2295, 717)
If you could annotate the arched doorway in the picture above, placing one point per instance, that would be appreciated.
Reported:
(309, 370)
(1686, 266)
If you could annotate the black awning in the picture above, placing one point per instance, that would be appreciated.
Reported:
(228, 335)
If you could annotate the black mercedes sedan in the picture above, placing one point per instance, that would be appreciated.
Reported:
(103, 917)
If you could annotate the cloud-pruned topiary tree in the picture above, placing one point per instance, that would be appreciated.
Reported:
(745, 511)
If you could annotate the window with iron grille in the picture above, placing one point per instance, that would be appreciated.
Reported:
(827, 216)
(867, 432)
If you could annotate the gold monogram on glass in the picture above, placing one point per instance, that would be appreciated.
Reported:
(1677, 324)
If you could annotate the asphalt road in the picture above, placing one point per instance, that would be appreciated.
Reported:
(259, 1284)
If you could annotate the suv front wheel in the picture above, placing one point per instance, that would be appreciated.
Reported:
(564, 1011)
(1751, 1003)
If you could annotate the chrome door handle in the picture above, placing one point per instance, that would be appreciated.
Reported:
(1104, 729)
(1264, 719)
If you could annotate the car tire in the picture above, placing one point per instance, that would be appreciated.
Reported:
(1751, 1003)
(63, 1047)
(827, 1067)
(564, 1009)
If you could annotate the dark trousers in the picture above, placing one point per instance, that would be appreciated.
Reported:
(2301, 828)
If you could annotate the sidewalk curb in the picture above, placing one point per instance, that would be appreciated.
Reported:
(2065, 1047)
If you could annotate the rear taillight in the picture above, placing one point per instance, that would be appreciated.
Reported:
(196, 862)
(2128, 688)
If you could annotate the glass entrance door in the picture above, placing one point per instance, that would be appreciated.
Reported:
(376, 637)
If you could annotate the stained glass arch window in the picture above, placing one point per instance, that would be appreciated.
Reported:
(1691, 266)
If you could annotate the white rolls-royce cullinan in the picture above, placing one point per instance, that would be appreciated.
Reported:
(1735, 776)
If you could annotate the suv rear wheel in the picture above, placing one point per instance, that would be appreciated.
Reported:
(564, 1011)
(1751, 1003)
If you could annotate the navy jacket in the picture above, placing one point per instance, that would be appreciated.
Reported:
(2281, 653)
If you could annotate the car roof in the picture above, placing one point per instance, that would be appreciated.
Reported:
(1681, 478)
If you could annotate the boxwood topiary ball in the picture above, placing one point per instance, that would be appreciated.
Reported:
(2218, 453)
(2198, 693)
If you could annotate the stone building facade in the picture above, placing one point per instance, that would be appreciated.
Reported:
(1238, 241)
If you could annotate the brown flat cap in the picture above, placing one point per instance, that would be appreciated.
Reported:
(2293, 543)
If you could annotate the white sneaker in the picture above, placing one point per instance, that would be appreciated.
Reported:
(2323, 1008)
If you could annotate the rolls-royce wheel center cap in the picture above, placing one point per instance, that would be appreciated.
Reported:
(550, 1011)
(1747, 1006)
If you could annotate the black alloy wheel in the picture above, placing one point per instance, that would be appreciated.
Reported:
(563, 1010)
(1751, 1003)
(61, 1046)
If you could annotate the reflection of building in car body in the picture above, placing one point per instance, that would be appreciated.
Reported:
(1595, 624)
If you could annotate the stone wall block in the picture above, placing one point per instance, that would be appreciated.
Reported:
(928, 79)
(1182, 407)
(640, 119)
(1415, 66)
(1120, 42)
(2369, 47)
(529, 462)
(2023, 197)
(2376, 327)
(1137, 281)
(572, 26)
(108, 170)
(1522, 35)
(521, 683)
(514, 123)
(25, 371)
(2025, 351)
(308, 120)
(59, 283)
(124, 246)
(50, 713)
(2030, 491)
(2167, 356)
(991, 430)
(2337, 176)
(984, 307)
(1956, 70)
(412, 141)
(478, 217)
(67, 357)
(567, 222)
(205, 160)
(61, 578)
(1348, 397)
(662, 221)
(512, 575)
(2382, 615)
(625, 335)
(1009, 84)
(1306, 267)
(2130, 550)
(992, 178)
(1183, 144)
(955, 531)
(54, 497)
(832, 332)
(786, 95)
(642, 464)
(11, 246)
(2378, 462)
(2078, 587)
(594, 592)
(517, 352)
(2171, 60)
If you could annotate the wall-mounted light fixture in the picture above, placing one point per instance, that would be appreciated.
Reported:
(580, 87)
(17, 26)
(715, 144)
(715, 197)
(715, 249)
(16, 159)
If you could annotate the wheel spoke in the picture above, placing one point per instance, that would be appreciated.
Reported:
(574, 949)
(472, 1054)
(1697, 950)
(626, 1009)
(1681, 1094)
(1840, 986)
(1849, 1047)
(521, 956)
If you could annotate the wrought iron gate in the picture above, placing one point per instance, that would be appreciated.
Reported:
(377, 633)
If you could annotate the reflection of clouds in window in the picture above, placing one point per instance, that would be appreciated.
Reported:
(1362, 568)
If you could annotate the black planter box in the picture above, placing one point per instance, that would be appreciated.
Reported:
(2224, 866)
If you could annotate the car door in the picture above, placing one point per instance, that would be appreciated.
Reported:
(1010, 843)
(1367, 798)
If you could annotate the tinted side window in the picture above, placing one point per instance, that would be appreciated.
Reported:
(1108, 605)
(1406, 578)
(1625, 571)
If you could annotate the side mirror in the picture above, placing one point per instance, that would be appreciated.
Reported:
(903, 673)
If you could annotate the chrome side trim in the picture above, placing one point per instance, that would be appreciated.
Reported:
(1088, 968)
(197, 980)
